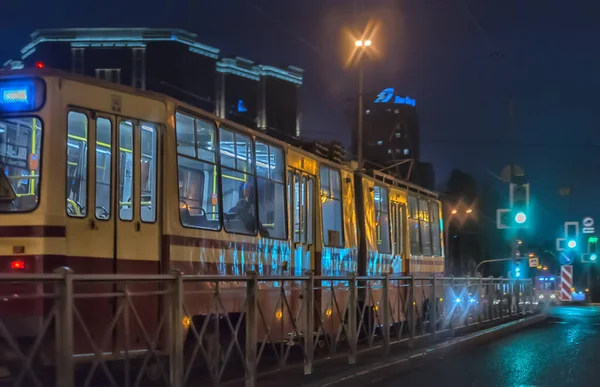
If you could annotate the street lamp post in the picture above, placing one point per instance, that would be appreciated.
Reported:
(361, 45)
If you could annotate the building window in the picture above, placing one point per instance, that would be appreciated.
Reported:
(271, 191)
(238, 183)
(405, 151)
(331, 206)
(110, 75)
(77, 140)
(382, 219)
(197, 172)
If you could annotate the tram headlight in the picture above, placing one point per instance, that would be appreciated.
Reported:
(541, 296)
(553, 296)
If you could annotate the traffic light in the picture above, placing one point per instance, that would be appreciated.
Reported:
(519, 204)
(571, 234)
(518, 268)
(592, 254)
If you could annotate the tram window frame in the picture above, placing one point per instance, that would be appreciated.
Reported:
(152, 174)
(425, 227)
(329, 197)
(39, 141)
(205, 165)
(436, 243)
(83, 206)
(398, 223)
(108, 209)
(249, 173)
(384, 208)
(132, 123)
(277, 181)
(413, 220)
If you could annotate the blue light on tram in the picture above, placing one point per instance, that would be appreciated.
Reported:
(17, 96)
(10, 96)
(551, 279)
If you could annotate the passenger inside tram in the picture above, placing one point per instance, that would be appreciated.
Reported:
(241, 218)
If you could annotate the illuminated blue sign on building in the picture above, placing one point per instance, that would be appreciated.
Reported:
(387, 96)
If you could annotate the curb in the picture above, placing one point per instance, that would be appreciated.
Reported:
(400, 364)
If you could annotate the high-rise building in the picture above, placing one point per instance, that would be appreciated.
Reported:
(390, 130)
(173, 62)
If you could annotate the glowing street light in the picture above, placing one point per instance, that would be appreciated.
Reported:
(469, 211)
(454, 211)
(359, 43)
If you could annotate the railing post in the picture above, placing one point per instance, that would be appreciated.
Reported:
(480, 300)
(64, 329)
(251, 328)
(518, 295)
(452, 309)
(433, 309)
(177, 331)
(502, 296)
(309, 330)
(411, 310)
(385, 309)
(352, 325)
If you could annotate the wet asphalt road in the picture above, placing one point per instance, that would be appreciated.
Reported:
(563, 351)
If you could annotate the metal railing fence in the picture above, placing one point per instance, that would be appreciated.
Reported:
(66, 329)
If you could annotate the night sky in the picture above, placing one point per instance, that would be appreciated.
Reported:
(444, 53)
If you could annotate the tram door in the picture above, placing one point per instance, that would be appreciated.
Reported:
(113, 219)
(112, 194)
(302, 214)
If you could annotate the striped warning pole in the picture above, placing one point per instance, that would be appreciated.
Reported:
(566, 282)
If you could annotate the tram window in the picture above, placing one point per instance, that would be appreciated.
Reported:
(271, 191)
(436, 240)
(77, 154)
(413, 224)
(398, 227)
(382, 219)
(198, 194)
(198, 191)
(424, 227)
(126, 170)
(103, 167)
(184, 127)
(148, 174)
(237, 182)
(331, 207)
(205, 140)
(309, 209)
(20, 144)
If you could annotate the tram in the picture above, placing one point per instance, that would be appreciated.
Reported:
(104, 178)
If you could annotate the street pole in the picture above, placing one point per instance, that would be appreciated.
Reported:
(360, 113)
(447, 239)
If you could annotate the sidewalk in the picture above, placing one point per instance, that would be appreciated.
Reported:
(373, 365)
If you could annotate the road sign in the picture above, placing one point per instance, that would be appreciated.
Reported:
(588, 225)
(566, 282)
(534, 262)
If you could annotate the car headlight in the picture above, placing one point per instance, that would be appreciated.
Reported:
(553, 296)
(541, 296)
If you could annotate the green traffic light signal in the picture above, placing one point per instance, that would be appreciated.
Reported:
(520, 217)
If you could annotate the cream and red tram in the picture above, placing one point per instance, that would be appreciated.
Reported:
(104, 178)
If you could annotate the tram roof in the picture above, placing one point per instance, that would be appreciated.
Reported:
(48, 72)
